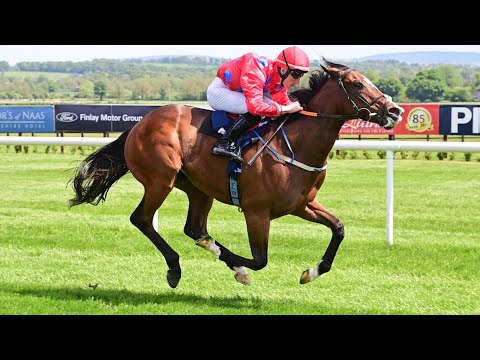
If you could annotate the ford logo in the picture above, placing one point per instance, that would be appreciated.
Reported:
(66, 117)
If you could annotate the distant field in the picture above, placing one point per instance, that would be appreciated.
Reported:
(96, 101)
(35, 74)
(52, 254)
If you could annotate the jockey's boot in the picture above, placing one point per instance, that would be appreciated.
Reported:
(226, 144)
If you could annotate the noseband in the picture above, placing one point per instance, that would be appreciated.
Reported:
(363, 113)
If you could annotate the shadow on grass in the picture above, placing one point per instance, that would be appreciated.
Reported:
(126, 297)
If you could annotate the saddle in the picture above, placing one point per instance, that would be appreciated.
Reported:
(222, 121)
(218, 123)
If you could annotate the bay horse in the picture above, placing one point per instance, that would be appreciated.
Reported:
(166, 150)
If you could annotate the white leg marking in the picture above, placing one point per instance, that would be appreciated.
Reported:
(240, 270)
(312, 274)
(209, 244)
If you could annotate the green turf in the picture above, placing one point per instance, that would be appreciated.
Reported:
(50, 254)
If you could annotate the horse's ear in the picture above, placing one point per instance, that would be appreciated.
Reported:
(324, 68)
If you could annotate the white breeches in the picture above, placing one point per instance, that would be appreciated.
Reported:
(220, 97)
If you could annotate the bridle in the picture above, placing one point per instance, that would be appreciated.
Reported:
(363, 113)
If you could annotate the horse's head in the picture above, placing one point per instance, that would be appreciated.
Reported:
(369, 103)
(355, 96)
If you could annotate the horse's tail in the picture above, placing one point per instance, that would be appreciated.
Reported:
(98, 172)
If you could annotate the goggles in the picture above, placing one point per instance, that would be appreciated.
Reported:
(296, 74)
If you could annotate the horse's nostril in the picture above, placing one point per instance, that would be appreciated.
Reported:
(397, 111)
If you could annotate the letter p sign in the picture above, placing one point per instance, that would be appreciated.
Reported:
(462, 116)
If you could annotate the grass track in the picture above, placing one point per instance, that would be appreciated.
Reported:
(49, 254)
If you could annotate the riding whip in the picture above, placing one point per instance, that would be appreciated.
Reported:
(252, 160)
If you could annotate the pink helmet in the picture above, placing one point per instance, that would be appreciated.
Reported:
(293, 58)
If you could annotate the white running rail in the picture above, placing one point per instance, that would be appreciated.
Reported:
(390, 146)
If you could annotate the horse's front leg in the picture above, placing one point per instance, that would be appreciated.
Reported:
(212, 245)
(316, 212)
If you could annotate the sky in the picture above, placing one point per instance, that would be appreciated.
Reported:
(19, 53)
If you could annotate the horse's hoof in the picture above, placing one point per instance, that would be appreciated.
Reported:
(241, 275)
(305, 278)
(243, 279)
(172, 280)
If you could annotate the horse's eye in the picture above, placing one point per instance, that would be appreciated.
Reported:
(358, 85)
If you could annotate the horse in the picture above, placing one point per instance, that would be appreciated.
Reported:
(166, 149)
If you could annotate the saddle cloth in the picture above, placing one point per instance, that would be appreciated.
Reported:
(222, 121)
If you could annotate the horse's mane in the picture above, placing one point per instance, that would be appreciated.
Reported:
(317, 79)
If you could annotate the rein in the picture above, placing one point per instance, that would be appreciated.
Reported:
(290, 160)
(338, 117)
(361, 113)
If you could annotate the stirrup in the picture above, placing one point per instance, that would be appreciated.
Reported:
(221, 149)
(236, 157)
(235, 154)
(228, 153)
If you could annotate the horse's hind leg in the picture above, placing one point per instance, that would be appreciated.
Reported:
(316, 212)
(199, 205)
(196, 225)
(142, 218)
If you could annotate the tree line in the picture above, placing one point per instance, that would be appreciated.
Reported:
(186, 78)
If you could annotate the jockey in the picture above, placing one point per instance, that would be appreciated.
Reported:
(242, 85)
